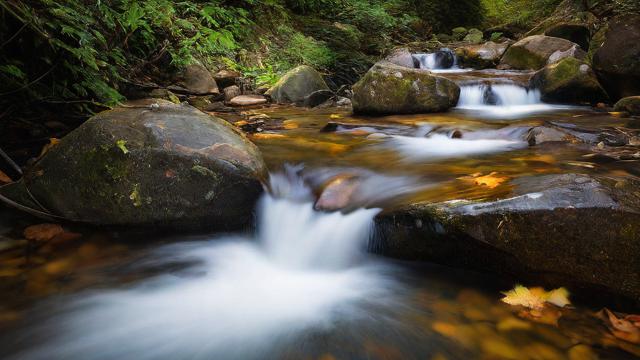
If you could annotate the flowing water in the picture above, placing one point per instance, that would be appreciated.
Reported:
(302, 285)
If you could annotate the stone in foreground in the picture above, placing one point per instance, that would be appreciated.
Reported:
(151, 163)
(569, 230)
(390, 89)
(568, 81)
(297, 84)
(534, 52)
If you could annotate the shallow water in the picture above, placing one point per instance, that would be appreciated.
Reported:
(303, 286)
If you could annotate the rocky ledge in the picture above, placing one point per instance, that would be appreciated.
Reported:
(569, 229)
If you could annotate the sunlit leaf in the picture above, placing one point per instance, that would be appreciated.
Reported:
(535, 298)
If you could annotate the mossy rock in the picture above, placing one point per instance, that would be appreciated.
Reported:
(533, 52)
(577, 33)
(482, 56)
(568, 81)
(151, 163)
(630, 104)
(390, 89)
(570, 230)
(297, 84)
(474, 36)
(459, 33)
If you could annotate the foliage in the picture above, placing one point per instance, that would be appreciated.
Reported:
(519, 12)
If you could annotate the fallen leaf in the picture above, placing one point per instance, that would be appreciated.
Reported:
(334, 116)
(622, 328)
(52, 142)
(492, 180)
(535, 298)
(264, 136)
(42, 232)
(4, 178)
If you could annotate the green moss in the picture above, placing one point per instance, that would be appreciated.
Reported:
(203, 171)
(520, 58)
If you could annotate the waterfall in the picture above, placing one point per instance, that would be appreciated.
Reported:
(438, 60)
(302, 270)
(497, 95)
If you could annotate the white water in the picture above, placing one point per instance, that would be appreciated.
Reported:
(306, 270)
(511, 100)
(440, 146)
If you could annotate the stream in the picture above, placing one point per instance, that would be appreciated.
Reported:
(303, 285)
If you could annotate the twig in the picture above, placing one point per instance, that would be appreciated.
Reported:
(10, 162)
(16, 34)
(32, 82)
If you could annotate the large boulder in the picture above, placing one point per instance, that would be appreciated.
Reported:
(617, 62)
(570, 230)
(568, 81)
(630, 104)
(482, 56)
(534, 52)
(150, 163)
(390, 89)
(196, 80)
(297, 84)
(577, 33)
(474, 36)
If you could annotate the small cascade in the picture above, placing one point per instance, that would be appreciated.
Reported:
(438, 60)
(497, 95)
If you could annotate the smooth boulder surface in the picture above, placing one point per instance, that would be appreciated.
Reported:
(617, 62)
(390, 89)
(533, 52)
(569, 230)
(568, 81)
(401, 57)
(630, 104)
(196, 80)
(151, 163)
(248, 100)
(482, 56)
(297, 84)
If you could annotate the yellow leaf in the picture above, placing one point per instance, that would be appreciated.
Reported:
(535, 298)
(334, 116)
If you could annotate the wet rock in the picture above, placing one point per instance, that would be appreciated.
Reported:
(297, 84)
(218, 106)
(248, 100)
(317, 98)
(568, 81)
(533, 52)
(390, 89)
(151, 163)
(337, 193)
(570, 230)
(482, 56)
(231, 92)
(542, 134)
(225, 78)
(196, 80)
(630, 104)
(577, 33)
(199, 102)
(474, 36)
(617, 62)
(401, 57)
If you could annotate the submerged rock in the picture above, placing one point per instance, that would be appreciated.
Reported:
(151, 163)
(568, 81)
(617, 62)
(248, 100)
(297, 84)
(630, 104)
(481, 56)
(390, 89)
(567, 229)
(533, 52)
